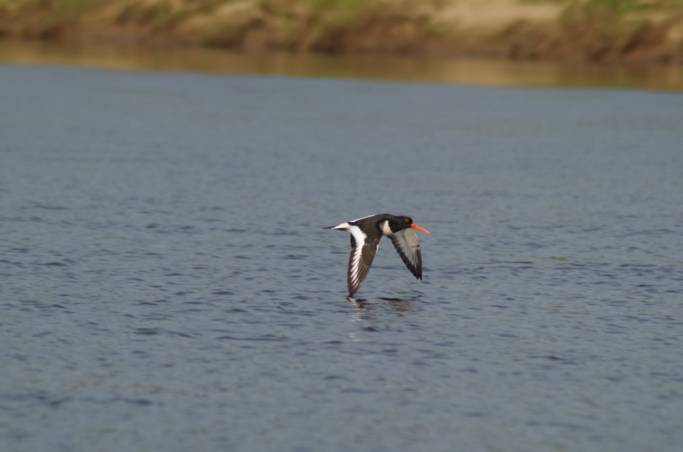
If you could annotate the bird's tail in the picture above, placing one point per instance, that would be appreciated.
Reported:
(339, 227)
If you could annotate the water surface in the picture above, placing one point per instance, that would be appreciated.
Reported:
(165, 283)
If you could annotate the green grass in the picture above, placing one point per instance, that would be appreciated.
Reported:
(338, 5)
(59, 9)
(618, 6)
(76, 6)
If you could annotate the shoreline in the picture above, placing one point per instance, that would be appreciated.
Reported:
(398, 68)
(505, 29)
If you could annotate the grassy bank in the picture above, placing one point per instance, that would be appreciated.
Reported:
(594, 30)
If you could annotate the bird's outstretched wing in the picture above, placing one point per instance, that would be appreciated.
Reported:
(408, 247)
(363, 251)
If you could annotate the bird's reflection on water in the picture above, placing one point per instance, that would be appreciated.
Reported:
(398, 304)
(379, 314)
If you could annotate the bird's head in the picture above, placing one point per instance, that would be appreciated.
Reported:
(400, 223)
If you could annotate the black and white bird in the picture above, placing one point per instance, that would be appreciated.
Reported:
(366, 233)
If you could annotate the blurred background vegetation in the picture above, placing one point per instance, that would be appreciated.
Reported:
(591, 30)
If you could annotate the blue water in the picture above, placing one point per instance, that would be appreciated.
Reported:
(165, 283)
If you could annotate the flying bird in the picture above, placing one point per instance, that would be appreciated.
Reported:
(366, 233)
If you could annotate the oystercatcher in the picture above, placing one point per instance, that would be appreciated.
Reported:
(366, 233)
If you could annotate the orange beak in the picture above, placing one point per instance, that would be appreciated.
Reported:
(417, 227)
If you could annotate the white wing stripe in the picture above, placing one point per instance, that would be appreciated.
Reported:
(359, 237)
